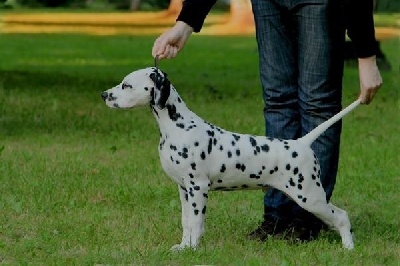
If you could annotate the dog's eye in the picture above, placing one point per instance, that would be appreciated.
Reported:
(125, 85)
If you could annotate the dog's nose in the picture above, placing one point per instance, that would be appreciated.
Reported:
(104, 95)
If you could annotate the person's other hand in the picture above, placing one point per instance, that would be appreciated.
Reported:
(172, 41)
(370, 78)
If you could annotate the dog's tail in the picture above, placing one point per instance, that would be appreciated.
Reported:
(316, 132)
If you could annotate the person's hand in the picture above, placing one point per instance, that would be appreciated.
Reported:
(370, 78)
(172, 41)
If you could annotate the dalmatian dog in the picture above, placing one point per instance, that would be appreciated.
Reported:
(201, 157)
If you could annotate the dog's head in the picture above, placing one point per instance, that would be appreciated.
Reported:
(139, 88)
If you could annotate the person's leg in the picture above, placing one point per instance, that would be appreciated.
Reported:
(278, 72)
(320, 41)
(318, 31)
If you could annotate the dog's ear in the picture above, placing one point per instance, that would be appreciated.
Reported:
(161, 90)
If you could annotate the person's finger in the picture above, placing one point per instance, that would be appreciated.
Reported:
(173, 51)
(362, 99)
(156, 47)
(170, 51)
(160, 47)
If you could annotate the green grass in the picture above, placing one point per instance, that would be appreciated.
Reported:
(81, 184)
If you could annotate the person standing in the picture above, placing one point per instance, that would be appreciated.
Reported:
(300, 46)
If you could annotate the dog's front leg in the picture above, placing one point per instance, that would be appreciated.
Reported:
(183, 196)
(193, 200)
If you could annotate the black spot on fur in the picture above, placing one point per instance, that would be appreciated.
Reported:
(196, 212)
(318, 184)
(223, 168)
(299, 186)
(253, 142)
(193, 165)
(209, 149)
(291, 182)
(196, 144)
(288, 167)
(313, 177)
(196, 188)
(203, 155)
(238, 152)
(205, 195)
(241, 167)
(304, 200)
(172, 147)
(180, 125)
(245, 186)
(236, 137)
(265, 148)
(294, 154)
(203, 211)
(191, 192)
(254, 176)
(173, 115)
(295, 171)
(154, 110)
(210, 133)
(229, 154)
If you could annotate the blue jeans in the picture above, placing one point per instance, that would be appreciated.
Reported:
(301, 68)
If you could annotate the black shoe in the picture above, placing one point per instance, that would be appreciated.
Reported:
(300, 231)
(269, 227)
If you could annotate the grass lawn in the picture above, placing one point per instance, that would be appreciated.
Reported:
(81, 184)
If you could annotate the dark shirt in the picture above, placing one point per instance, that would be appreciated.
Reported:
(358, 20)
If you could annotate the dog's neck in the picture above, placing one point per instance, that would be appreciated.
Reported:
(175, 116)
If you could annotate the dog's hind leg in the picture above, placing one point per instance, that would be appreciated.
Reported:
(343, 225)
(332, 216)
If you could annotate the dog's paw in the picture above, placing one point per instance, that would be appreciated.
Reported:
(178, 247)
(348, 241)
